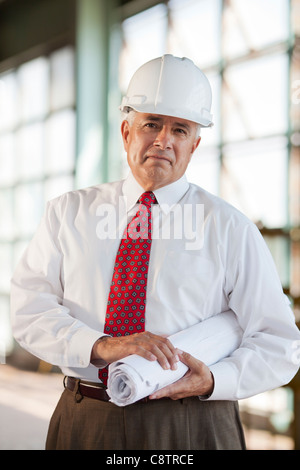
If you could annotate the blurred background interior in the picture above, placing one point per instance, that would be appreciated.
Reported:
(64, 65)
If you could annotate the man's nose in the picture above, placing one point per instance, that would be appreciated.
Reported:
(164, 139)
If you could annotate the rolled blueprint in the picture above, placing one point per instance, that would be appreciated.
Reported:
(133, 377)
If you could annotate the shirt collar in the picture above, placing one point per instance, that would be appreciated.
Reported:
(166, 196)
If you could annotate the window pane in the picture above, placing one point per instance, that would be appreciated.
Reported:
(254, 179)
(253, 24)
(295, 17)
(144, 38)
(61, 142)
(34, 89)
(7, 159)
(56, 186)
(8, 101)
(6, 214)
(62, 78)
(203, 169)
(294, 189)
(254, 96)
(280, 250)
(30, 151)
(295, 91)
(195, 30)
(212, 135)
(5, 267)
(29, 208)
(235, 41)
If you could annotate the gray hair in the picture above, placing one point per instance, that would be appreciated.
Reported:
(129, 115)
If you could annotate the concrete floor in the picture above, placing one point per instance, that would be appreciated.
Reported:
(27, 401)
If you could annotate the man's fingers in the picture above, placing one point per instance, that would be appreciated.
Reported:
(167, 391)
(148, 345)
(189, 360)
(164, 351)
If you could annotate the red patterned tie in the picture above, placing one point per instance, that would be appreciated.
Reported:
(126, 305)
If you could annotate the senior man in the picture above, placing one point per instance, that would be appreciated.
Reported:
(82, 300)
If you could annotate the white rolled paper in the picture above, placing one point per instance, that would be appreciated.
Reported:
(133, 378)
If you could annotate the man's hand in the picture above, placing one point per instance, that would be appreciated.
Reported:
(198, 381)
(145, 344)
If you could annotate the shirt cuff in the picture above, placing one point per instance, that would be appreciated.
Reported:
(80, 347)
(206, 397)
(226, 381)
(100, 363)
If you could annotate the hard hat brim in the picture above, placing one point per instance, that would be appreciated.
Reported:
(163, 111)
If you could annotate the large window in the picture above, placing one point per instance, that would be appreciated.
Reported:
(37, 155)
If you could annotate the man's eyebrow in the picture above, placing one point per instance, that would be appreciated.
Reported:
(181, 124)
(150, 117)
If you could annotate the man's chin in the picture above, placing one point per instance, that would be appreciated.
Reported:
(155, 176)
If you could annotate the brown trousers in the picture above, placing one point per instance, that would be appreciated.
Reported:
(81, 423)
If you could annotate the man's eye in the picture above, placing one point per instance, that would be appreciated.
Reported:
(181, 131)
(151, 125)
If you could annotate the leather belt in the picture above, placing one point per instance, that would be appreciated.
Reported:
(86, 389)
(91, 390)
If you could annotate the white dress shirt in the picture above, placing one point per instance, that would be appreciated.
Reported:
(60, 287)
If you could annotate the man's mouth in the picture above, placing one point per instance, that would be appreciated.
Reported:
(158, 157)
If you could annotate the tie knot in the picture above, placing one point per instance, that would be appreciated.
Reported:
(147, 198)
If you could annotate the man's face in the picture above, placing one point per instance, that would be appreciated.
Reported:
(159, 148)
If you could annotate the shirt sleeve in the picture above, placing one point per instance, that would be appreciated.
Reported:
(267, 357)
(40, 322)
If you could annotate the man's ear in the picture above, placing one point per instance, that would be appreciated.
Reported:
(125, 129)
(196, 144)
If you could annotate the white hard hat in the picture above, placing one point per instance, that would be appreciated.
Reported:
(170, 86)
